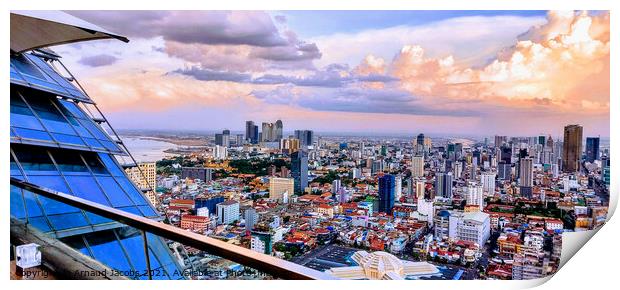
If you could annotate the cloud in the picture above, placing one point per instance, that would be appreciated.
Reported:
(562, 64)
(98, 60)
(245, 40)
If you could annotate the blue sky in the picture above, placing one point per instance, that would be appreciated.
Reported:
(316, 23)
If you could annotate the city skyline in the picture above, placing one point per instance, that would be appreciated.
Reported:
(475, 73)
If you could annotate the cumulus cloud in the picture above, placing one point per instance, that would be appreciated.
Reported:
(98, 60)
(247, 40)
(557, 65)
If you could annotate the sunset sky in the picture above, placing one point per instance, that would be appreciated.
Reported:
(437, 72)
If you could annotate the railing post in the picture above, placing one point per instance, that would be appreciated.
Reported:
(146, 255)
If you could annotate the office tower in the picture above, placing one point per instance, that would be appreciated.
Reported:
(305, 137)
(144, 176)
(251, 132)
(526, 176)
(281, 188)
(475, 195)
(377, 166)
(202, 173)
(500, 140)
(506, 154)
(251, 218)
(420, 189)
(336, 184)
(592, 148)
(220, 152)
(605, 173)
(299, 170)
(210, 203)
(278, 127)
(488, 182)
(420, 143)
(443, 184)
(386, 192)
(417, 166)
(289, 145)
(239, 139)
(56, 143)
(355, 173)
(227, 212)
(398, 187)
(223, 139)
(541, 140)
(572, 149)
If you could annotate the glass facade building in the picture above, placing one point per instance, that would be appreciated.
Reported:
(57, 143)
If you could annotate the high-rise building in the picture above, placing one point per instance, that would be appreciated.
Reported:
(305, 137)
(281, 188)
(299, 170)
(398, 187)
(279, 128)
(488, 182)
(57, 142)
(289, 145)
(500, 140)
(223, 139)
(251, 218)
(526, 176)
(592, 148)
(504, 171)
(227, 212)
(144, 176)
(251, 132)
(387, 184)
(220, 152)
(420, 189)
(417, 166)
(475, 195)
(271, 132)
(443, 184)
(572, 149)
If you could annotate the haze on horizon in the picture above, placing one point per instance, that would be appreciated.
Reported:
(466, 73)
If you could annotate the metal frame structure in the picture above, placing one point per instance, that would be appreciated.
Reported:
(246, 257)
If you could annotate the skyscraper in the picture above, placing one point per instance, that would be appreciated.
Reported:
(387, 185)
(572, 149)
(443, 184)
(305, 137)
(251, 132)
(592, 148)
(526, 176)
(417, 166)
(299, 170)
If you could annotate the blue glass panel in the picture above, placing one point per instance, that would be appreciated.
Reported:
(94, 163)
(34, 160)
(40, 223)
(93, 143)
(32, 207)
(114, 192)
(131, 209)
(133, 243)
(17, 203)
(20, 119)
(107, 249)
(73, 108)
(85, 187)
(56, 183)
(14, 168)
(77, 243)
(70, 162)
(132, 191)
(147, 211)
(68, 139)
(161, 250)
(111, 165)
(33, 134)
(109, 145)
(67, 221)
(97, 219)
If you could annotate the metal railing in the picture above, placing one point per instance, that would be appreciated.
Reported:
(270, 265)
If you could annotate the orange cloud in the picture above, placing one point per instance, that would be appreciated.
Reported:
(563, 64)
